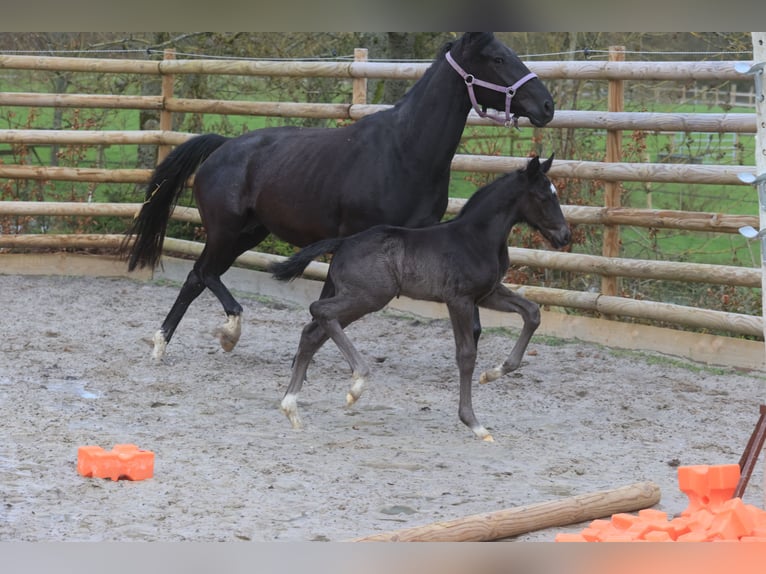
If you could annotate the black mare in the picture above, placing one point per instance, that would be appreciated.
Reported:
(461, 262)
(306, 184)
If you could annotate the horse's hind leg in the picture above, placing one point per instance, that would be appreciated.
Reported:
(217, 256)
(190, 290)
(228, 334)
(503, 299)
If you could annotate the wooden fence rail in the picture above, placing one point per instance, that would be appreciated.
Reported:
(561, 70)
(615, 172)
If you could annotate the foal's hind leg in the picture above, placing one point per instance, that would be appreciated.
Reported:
(503, 299)
(336, 313)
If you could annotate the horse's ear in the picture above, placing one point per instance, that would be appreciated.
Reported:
(547, 164)
(477, 40)
(533, 166)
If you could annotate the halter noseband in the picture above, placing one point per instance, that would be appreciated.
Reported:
(510, 91)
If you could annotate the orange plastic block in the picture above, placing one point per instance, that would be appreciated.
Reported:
(623, 520)
(569, 537)
(124, 461)
(693, 536)
(732, 521)
(707, 486)
(658, 536)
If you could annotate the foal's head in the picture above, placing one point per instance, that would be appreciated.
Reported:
(539, 204)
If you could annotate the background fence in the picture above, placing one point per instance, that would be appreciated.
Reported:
(35, 157)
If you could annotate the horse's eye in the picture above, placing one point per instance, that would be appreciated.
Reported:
(499, 60)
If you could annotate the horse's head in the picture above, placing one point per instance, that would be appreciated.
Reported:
(484, 59)
(540, 206)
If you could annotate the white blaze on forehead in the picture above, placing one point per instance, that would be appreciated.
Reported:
(553, 190)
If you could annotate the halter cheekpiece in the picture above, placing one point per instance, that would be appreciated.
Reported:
(510, 91)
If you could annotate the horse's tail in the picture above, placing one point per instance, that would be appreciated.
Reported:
(294, 266)
(162, 193)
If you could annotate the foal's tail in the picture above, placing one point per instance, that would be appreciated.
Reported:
(162, 193)
(291, 268)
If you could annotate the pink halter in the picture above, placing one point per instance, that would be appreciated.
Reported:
(510, 91)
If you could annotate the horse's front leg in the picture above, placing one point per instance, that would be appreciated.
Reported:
(462, 316)
(503, 299)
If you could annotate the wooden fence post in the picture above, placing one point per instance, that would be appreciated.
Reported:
(611, 242)
(359, 87)
(166, 116)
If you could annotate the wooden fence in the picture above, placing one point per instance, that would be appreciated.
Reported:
(611, 215)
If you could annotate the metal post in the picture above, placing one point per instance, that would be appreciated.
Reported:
(757, 70)
(759, 179)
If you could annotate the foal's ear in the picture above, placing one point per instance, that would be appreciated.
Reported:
(547, 164)
(533, 166)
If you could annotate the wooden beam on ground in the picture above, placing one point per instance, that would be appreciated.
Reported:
(514, 521)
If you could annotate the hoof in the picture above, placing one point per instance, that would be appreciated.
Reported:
(160, 344)
(483, 434)
(229, 334)
(289, 406)
(355, 392)
(491, 375)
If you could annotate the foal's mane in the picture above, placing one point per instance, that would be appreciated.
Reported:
(479, 195)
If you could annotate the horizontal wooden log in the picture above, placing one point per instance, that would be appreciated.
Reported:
(654, 121)
(282, 68)
(68, 64)
(75, 174)
(693, 317)
(656, 218)
(641, 71)
(619, 306)
(271, 109)
(60, 241)
(646, 121)
(642, 268)
(565, 69)
(511, 522)
(60, 208)
(93, 137)
(36, 100)
(657, 172)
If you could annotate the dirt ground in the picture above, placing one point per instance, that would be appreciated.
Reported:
(75, 369)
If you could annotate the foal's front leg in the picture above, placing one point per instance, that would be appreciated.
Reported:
(462, 316)
(503, 299)
(312, 338)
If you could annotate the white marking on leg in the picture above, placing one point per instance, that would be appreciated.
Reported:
(289, 406)
(160, 344)
(491, 375)
(483, 434)
(229, 334)
(356, 391)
